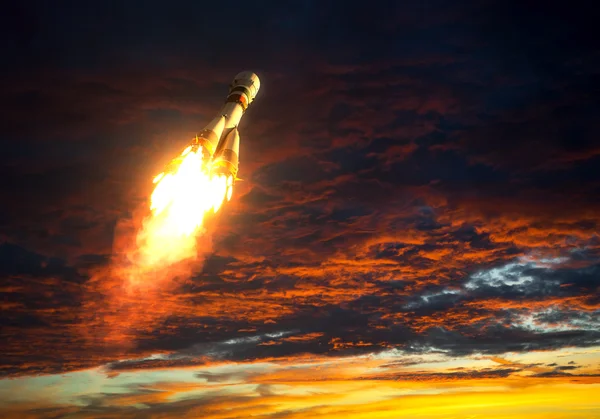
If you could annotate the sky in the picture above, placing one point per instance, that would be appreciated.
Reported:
(415, 232)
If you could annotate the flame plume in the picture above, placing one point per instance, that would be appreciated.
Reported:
(184, 194)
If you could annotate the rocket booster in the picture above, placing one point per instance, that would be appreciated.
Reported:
(220, 139)
(226, 159)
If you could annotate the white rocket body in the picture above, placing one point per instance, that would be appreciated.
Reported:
(220, 139)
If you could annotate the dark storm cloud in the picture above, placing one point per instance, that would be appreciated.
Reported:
(458, 375)
(15, 260)
(526, 280)
(564, 374)
(347, 331)
(40, 301)
(398, 161)
(466, 340)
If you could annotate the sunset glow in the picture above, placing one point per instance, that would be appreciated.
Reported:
(300, 210)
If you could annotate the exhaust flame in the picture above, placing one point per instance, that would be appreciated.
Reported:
(182, 197)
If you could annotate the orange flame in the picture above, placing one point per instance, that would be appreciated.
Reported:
(179, 203)
(146, 266)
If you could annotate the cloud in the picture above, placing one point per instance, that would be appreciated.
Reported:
(420, 184)
(344, 385)
(458, 375)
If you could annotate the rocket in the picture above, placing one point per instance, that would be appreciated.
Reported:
(220, 139)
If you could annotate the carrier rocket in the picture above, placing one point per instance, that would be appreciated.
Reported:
(220, 139)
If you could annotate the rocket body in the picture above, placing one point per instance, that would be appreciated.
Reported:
(226, 159)
(220, 139)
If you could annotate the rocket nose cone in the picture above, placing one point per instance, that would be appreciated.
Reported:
(255, 80)
(248, 79)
